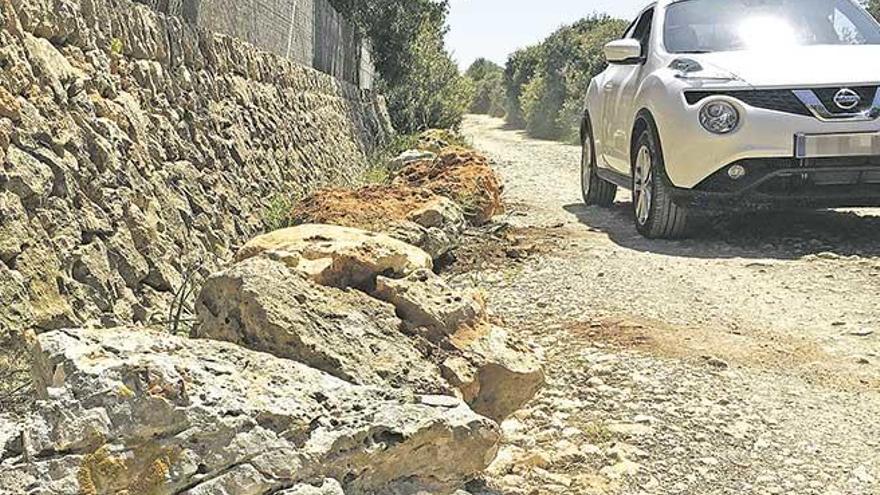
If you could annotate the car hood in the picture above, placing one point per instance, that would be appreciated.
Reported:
(801, 66)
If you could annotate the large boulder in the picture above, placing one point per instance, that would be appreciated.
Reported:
(443, 345)
(267, 306)
(129, 411)
(338, 256)
(496, 373)
(416, 216)
(462, 175)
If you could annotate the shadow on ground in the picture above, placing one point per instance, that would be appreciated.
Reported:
(778, 235)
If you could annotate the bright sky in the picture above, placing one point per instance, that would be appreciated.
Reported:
(495, 28)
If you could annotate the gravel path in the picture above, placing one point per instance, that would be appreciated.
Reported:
(745, 360)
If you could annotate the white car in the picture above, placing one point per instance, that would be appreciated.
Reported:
(712, 105)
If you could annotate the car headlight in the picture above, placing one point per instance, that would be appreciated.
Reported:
(719, 117)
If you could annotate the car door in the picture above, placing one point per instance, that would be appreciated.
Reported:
(619, 91)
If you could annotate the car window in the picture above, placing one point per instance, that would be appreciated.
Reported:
(847, 32)
(694, 26)
(642, 30)
(632, 27)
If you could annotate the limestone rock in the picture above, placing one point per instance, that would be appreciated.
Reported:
(126, 409)
(328, 487)
(26, 176)
(410, 156)
(444, 346)
(267, 306)
(338, 256)
(423, 299)
(9, 107)
(496, 373)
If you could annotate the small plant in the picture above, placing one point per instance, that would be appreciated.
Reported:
(181, 315)
(116, 47)
(598, 433)
(377, 173)
(278, 214)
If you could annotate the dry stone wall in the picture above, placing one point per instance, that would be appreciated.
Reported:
(138, 151)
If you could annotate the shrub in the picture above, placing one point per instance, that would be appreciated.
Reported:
(546, 84)
(488, 81)
(521, 68)
(417, 75)
(432, 93)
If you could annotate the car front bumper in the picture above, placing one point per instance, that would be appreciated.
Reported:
(787, 183)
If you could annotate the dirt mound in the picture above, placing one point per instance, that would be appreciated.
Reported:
(415, 216)
(462, 175)
(373, 207)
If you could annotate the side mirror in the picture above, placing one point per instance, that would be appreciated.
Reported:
(625, 51)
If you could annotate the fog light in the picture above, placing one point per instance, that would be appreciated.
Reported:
(719, 117)
(736, 172)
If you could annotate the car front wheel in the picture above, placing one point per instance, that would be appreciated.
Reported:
(656, 215)
(595, 190)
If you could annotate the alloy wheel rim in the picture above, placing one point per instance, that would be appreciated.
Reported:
(586, 166)
(643, 186)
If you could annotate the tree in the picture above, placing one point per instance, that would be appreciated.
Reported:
(521, 68)
(431, 92)
(874, 8)
(487, 79)
(546, 83)
(416, 72)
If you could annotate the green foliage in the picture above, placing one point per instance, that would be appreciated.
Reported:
(278, 214)
(116, 46)
(488, 81)
(432, 93)
(418, 76)
(874, 8)
(545, 84)
(378, 171)
(521, 67)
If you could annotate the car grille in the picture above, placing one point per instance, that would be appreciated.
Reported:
(780, 100)
(784, 100)
(826, 95)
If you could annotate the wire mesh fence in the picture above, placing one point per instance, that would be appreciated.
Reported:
(310, 32)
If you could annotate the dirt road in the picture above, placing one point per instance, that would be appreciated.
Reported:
(745, 360)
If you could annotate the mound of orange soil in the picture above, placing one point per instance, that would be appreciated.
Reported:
(374, 207)
(462, 175)
(416, 216)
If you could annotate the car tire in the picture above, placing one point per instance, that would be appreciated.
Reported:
(656, 215)
(595, 190)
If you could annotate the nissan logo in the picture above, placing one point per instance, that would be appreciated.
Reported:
(847, 99)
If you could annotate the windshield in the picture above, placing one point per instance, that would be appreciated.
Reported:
(699, 26)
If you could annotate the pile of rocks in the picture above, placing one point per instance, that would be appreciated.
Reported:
(461, 174)
(327, 360)
(429, 203)
(417, 216)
